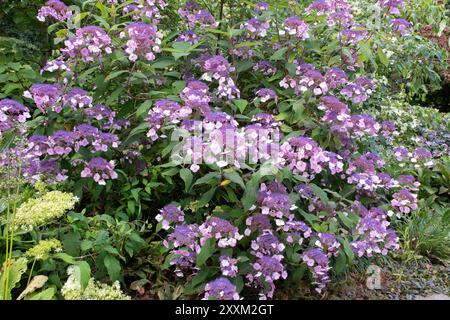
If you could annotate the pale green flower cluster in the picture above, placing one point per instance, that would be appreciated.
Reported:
(38, 211)
(94, 291)
(43, 249)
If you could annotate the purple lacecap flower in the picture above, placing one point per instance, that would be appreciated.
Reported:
(303, 156)
(317, 262)
(341, 5)
(262, 6)
(295, 27)
(189, 8)
(220, 289)
(88, 44)
(364, 125)
(54, 10)
(218, 68)
(266, 120)
(255, 28)
(336, 112)
(320, 7)
(401, 26)
(401, 154)
(355, 92)
(353, 36)
(194, 15)
(100, 170)
(257, 222)
(165, 111)
(77, 98)
(405, 201)
(12, 113)
(388, 129)
(422, 154)
(48, 171)
(307, 78)
(274, 201)
(184, 261)
(147, 9)
(374, 237)
(335, 78)
(219, 229)
(266, 270)
(295, 231)
(188, 36)
(185, 235)
(144, 40)
(170, 214)
(196, 96)
(61, 143)
(266, 244)
(328, 243)
(45, 96)
(265, 95)
(101, 113)
(228, 266)
(265, 67)
(57, 64)
(342, 19)
(393, 6)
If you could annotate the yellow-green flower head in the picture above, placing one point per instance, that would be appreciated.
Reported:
(94, 291)
(38, 211)
(43, 249)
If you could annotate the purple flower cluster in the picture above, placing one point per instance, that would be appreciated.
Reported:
(218, 68)
(304, 156)
(165, 111)
(143, 9)
(228, 266)
(100, 170)
(219, 229)
(265, 271)
(255, 28)
(318, 263)
(12, 113)
(405, 201)
(293, 26)
(184, 240)
(170, 214)
(360, 90)
(417, 157)
(307, 78)
(144, 41)
(88, 45)
(401, 26)
(188, 36)
(362, 171)
(265, 95)
(265, 67)
(328, 243)
(54, 10)
(373, 234)
(393, 6)
(45, 96)
(220, 289)
(267, 244)
(194, 15)
(77, 98)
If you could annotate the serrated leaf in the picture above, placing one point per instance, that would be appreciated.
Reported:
(113, 267)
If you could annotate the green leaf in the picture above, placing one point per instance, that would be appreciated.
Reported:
(65, 257)
(115, 74)
(206, 252)
(207, 196)
(251, 190)
(279, 54)
(187, 177)
(241, 104)
(82, 273)
(319, 192)
(341, 262)
(384, 60)
(113, 267)
(235, 177)
(207, 178)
